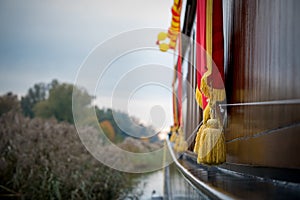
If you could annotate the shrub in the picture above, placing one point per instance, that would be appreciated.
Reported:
(44, 159)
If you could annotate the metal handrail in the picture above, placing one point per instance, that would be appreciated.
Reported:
(261, 103)
(198, 184)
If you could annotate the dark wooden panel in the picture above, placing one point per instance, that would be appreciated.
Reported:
(244, 121)
(279, 148)
(264, 65)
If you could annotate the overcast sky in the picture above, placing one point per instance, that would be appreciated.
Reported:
(43, 40)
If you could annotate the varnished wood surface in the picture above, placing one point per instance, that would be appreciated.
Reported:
(263, 65)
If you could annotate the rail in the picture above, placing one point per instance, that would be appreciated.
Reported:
(211, 192)
(226, 182)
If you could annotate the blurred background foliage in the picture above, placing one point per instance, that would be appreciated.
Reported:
(42, 156)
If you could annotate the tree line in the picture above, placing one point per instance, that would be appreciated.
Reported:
(52, 100)
(55, 100)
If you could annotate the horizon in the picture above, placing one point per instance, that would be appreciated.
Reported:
(42, 41)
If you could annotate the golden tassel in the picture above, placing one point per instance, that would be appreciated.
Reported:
(212, 144)
(197, 143)
(180, 143)
(206, 116)
(173, 136)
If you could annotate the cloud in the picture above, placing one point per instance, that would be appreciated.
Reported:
(42, 40)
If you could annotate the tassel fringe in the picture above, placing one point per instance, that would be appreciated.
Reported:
(198, 96)
(206, 114)
(212, 93)
(180, 144)
(210, 144)
(199, 133)
(173, 137)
